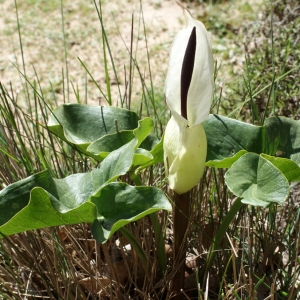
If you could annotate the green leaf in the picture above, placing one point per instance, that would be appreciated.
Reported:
(289, 168)
(279, 136)
(101, 147)
(227, 137)
(41, 212)
(119, 204)
(79, 187)
(16, 196)
(144, 129)
(226, 162)
(283, 138)
(40, 201)
(141, 157)
(157, 152)
(118, 162)
(97, 131)
(108, 143)
(34, 203)
(150, 142)
(257, 181)
(81, 125)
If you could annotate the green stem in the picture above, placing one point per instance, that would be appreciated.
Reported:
(159, 243)
(180, 226)
(138, 249)
(219, 236)
(158, 235)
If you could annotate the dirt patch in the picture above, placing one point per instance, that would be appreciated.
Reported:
(44, 55)
(43, 44)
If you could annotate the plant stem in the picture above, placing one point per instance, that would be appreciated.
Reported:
(218, 238)
(158, 234)
(138, 249)
(159, 243)
(180, 226)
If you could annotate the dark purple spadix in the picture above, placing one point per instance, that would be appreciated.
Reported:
(187, 71)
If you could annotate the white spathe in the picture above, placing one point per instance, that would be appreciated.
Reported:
(185, 144)
(202, 86)
(185, 153)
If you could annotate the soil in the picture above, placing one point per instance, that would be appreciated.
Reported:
(40, 24)
(43, 44)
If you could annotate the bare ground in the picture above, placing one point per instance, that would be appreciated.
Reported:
(43, 44)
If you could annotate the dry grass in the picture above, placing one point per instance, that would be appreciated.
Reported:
(259, 255)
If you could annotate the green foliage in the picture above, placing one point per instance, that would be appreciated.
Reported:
(126, 204)
(289, 168)
(226, 137)
(116, 137)
(258, 158)
(272, 59)
(262, 159)
(283, 138)
(257, 181)
(96, 131)
(40, 201)
(36, 202)
(81, 124)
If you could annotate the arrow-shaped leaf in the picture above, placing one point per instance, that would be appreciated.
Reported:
(227, 137)
(81, 125)
(107, 143)
(257, 181)
(119, 204)
(40, 201)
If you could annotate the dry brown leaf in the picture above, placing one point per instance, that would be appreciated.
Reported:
(191, 261)
(120, 270)
(94, 285)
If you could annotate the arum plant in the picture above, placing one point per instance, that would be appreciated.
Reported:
(189, 89)
(261, 167)
(118, 140)
(118, 143)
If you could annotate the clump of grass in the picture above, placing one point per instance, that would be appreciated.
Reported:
(272, 54)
